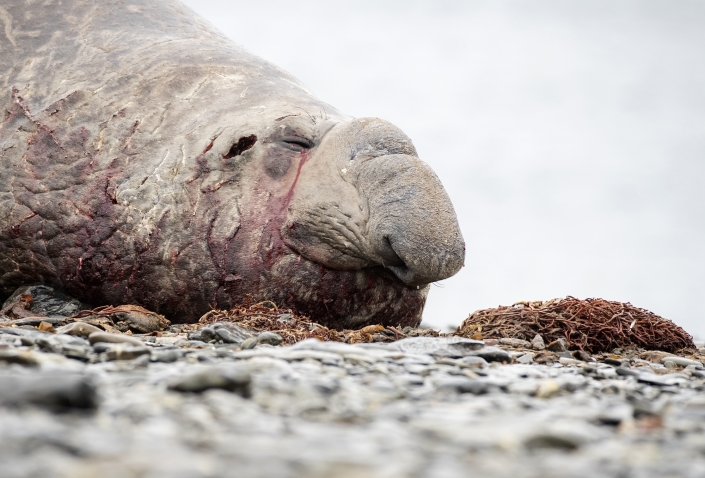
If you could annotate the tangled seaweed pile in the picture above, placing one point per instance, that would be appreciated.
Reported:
(267, 317)
(591, 325)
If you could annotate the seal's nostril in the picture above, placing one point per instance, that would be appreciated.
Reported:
(242, 145)
(403, 273)
(389, 255)
(396, 264)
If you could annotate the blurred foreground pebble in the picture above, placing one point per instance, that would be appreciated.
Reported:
(120, 392)
(226, 401)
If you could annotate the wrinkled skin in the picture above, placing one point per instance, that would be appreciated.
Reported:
(146, 159)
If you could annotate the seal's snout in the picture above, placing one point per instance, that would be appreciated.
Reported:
(413, 228)
(374, 203)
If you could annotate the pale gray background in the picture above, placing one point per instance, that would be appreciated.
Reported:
(569, 134)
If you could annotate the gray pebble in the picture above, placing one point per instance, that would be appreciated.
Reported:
(514, 342)
(475, 387)
(81, 329)
(682, 361)
(28, 336)
(78, 352)
(35, 321)
(698, 373)
(19, 357)
(626, 372)
(165, 356)
(248, 343)
(225, 332)
(570, 361)
(473, 361)
(56, 343)
(53, 390)
(233, 380)
(269, 338)
(126, 352)
(537, 343)
(562, 441)
(204, 334)
(493, 354)
(437, 346)
(581, 355)
(558, 345)
(97, 337)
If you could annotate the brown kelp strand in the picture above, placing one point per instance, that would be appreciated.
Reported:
(591, 325)
(266, 316)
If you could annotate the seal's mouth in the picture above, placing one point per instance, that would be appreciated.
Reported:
(346, 299)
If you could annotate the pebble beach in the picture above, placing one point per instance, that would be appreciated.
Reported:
(77, 404)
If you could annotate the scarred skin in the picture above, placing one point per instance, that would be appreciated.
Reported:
(146, 159)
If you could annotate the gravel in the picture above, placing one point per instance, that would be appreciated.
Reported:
(420, 407)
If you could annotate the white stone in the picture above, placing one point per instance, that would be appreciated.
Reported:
(682, 362)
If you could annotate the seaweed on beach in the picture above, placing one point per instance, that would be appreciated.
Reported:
(267, 316)
(591, 325)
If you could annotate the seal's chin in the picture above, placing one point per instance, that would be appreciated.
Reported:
(345, 299)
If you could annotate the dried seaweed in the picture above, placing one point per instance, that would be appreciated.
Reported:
(266, 316)
(591, 325)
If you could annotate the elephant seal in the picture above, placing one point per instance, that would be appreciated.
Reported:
(146, 159)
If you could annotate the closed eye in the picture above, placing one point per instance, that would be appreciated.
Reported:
(297, 144)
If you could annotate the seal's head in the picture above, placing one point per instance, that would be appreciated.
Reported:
(342, 222)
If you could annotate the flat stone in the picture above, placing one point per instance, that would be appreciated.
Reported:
(269, 338)
(80, 329)
(55, 343)
(493, 354)
(28, 359)
(126, 352)
(525, 358)
(249, 343)
(653, 379)
(31, 335)
(48, 302)
(614, 362)
(204, 334)
(167, 340)
(295, 355)
(233, 380)
(77, 352)
(515, 343)
(473, 361)
(55, 390)
(654, 356)
(438, 346)
(165, 356)
(568, 436)
(681, 361)
(35, 321)
(225, 332)
(372, 352)
(698, 374)
(97, 337)
(627, 372)
(475, 387)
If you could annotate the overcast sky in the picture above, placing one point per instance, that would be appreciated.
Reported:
(569, 135)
